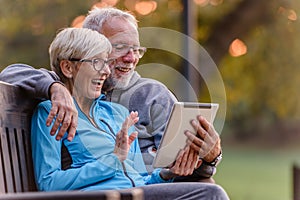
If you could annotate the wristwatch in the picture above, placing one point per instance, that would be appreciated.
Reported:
(216, 161)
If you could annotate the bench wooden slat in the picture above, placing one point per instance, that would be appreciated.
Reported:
(7, 169)
(22, 156)
(15, 158)
(2, 173)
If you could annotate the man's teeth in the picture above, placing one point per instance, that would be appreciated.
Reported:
(123, 69)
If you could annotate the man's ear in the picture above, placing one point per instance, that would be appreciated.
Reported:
(66, 68)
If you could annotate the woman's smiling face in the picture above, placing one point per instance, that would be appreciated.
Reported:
(88, 81)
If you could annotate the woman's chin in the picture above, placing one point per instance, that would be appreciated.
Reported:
(94, 95)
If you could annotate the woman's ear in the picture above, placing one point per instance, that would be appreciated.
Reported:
(66, 68)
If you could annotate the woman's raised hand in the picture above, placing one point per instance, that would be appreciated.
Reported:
(123, 140)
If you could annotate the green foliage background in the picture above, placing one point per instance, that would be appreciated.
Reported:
(28, 27)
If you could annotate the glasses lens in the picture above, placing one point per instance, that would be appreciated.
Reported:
(141, 51)
(98, 64)
(123, 49)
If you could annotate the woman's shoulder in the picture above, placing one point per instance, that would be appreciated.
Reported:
(44, 105)
(114, 107)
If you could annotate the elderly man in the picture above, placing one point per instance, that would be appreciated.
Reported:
(150, 98)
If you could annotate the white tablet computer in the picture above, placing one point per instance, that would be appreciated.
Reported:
(179, 121)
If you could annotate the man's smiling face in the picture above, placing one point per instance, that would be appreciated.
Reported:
(121, 32)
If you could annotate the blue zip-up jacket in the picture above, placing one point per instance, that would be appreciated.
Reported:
(94, 166)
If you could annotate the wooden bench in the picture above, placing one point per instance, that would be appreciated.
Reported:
(16, 169)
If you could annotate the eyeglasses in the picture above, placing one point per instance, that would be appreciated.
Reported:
(123, 49)
(98, 63)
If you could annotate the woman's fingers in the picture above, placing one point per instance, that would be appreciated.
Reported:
(123, 140)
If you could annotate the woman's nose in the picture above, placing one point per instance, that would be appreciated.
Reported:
(106, 69)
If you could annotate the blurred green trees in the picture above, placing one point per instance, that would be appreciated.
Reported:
(28, 27)
(261, 85)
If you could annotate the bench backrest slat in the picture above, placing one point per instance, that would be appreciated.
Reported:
(16, 173)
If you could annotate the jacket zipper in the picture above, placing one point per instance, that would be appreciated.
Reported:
(114, 137)
(126, 174)
(111, 134)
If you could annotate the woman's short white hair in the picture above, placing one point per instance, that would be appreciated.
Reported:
(98, 16)
(80, 43)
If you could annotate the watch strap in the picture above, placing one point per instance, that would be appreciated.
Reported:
(216, 161)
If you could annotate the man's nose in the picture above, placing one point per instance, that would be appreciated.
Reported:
(129, 57)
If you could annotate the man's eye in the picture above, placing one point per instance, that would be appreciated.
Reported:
(120, 47)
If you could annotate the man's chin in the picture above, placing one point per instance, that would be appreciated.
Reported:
(110, 85)
(113, 83)
(122, 84)
(124, 81)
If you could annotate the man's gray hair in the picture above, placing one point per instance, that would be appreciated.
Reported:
(98, 16)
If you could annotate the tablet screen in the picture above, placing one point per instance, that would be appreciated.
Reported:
(179, 121)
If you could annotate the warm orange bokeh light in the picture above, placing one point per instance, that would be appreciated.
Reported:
(201, 2)
(237, 48)
(145, 7)
(292, 15)
(110, 2)
(78, 21)
(206, 2)
(105, 3)
(289, 13)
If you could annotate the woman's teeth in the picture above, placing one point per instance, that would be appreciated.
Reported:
(99, 82)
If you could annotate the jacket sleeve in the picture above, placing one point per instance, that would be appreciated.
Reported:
(36, 82)
(46, 153)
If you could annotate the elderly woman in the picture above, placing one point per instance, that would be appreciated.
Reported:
(104, 152)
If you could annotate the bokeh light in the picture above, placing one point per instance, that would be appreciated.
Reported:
(105, 3)
(237, 48)
(145, 7)
(201, 2)
(289, 13)
(292, 15)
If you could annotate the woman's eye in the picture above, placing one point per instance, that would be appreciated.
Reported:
(96, 61)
